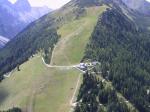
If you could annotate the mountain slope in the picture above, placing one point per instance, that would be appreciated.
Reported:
(140, 12)
(27, 13)
(18, 16)
(123, 50)
(121, 81)
(142, 6)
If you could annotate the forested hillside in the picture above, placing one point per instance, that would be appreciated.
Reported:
(98, 95)
(123, 50)
(35, 38)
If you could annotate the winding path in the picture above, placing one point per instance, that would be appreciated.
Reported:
(64, 67)
(58, 66)
(77, 85)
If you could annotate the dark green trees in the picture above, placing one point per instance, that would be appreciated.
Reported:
(95, 97)
(124, 50)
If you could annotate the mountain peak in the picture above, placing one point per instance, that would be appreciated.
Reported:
(22, 5)
(22, 1)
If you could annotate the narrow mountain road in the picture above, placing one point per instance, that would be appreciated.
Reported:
(72, 103)
(58, 66)
(63, 67)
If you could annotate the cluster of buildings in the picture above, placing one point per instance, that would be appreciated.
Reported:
(85, 66)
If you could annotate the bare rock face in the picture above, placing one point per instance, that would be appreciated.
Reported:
(3, 41)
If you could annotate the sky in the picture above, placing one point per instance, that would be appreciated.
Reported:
(53, 4)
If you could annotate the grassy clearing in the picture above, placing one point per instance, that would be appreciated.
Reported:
(37, 88)
(74, 37)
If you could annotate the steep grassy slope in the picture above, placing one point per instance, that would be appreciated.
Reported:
(74, 37)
